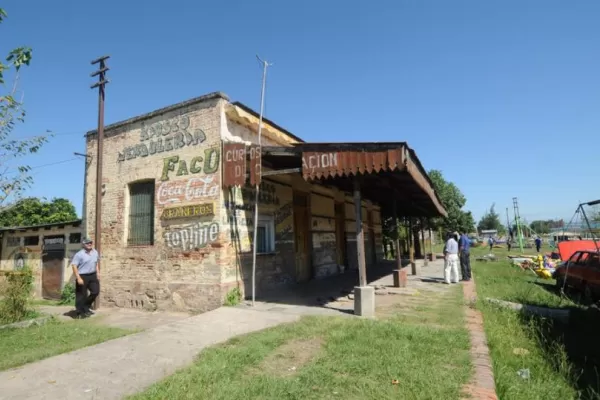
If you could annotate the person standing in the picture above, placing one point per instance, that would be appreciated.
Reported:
(464, 248)
(86, 268)
(451, 260)
(491, 243)
(538, 243)
(509, 243)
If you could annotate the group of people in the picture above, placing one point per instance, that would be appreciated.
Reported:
(457, 251)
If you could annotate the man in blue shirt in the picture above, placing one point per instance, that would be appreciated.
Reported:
(464, 246)
(86, 269)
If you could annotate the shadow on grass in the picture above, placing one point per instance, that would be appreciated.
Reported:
(575, 298)
(572, 348)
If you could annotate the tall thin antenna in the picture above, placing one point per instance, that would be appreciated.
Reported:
(518, 222)
(260, 121)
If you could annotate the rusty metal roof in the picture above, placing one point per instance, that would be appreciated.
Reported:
(389, 173)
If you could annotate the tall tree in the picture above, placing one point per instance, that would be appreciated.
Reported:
(491, 220)
(453, 201)
(34, 211)
(15, 176)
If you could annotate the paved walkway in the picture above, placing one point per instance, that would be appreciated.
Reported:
(127, 365)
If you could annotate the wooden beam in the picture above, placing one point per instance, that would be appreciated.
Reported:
(360, 236)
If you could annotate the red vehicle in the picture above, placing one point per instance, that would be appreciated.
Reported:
(580, 272)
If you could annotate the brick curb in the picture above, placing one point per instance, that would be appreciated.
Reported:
(482, 386)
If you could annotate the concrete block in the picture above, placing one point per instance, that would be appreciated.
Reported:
(415, 268)
(364, 301)
(400, 277)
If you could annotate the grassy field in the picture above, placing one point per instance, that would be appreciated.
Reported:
(405, 355)
(517, 342)
(25, 345)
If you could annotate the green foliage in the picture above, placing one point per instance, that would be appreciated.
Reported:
(15, 306)
(14, 178)
(67, 296)
(453, 201)
(544, 226)
(233, 298)
(34, 211)
(491, 220)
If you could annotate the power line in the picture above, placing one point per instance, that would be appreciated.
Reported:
(48, 164)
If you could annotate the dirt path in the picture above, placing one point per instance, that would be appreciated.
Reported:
(114, 369)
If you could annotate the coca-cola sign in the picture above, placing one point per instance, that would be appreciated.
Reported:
(188, 190)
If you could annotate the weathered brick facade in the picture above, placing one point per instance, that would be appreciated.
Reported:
(202, 233)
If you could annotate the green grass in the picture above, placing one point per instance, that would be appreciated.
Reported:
(45, 302)
(555, 374)
(25, 345)
(349, 358)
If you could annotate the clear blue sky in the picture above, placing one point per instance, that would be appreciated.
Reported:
(503, 97)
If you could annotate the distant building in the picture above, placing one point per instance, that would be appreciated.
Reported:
(488, 233)
(46, 249)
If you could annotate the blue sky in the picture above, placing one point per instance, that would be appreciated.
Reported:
(503, 97)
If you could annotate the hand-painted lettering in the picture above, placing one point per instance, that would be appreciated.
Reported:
(210, 166)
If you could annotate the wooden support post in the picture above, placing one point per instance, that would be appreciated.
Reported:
(360, 236)
(431, 244)
(424, 250)
(411, 246)
(399, 273)
(364, 296)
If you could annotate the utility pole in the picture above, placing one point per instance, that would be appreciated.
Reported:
(508, 227)
(260, 122)
(100, 73)
(518, 222)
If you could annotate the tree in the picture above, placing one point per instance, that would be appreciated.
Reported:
(491, 221)
(544, 226)
(34, 211)
(14, 179)
(453, 201)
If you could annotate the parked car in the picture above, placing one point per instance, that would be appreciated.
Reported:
(580, 272)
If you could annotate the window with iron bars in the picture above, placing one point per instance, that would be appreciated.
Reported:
(141, 214)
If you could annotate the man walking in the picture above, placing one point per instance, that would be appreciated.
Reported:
(538, 243)
(451, 260)
(86, 269)
(464, 247)
(491, 243)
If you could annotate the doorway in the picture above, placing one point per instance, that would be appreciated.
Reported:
(53, 259)
(340, 233)
(302, 237)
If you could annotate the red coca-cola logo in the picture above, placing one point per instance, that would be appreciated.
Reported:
(187, 190)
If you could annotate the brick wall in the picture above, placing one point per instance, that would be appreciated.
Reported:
(178, 149)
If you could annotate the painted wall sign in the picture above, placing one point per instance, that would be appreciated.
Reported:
(255, 165)
(194, 210)
(194, 236)
(164, 136)
(209, 164)
(343, 163)
(187, 190)
(234, 164)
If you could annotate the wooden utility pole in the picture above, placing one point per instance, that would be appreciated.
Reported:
(102, 81)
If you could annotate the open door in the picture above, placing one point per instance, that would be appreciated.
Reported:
(340, 234)
(53, 259)
(301, 237)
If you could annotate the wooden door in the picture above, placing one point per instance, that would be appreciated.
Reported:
(301, 237)
(53, 259)
(340, 233)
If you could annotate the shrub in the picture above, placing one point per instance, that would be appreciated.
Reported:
(234, 296)
(67, 296)
(15, 306)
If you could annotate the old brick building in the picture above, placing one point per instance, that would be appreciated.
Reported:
(174, 236)
(46, 249)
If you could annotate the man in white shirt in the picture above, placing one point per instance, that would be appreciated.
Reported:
(451, 260)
